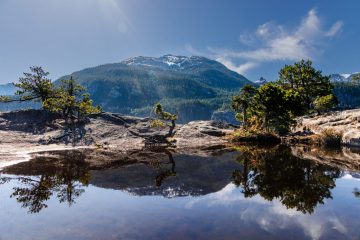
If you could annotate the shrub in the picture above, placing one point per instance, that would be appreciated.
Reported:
(256, 136)
(329, 138)
(325, 103)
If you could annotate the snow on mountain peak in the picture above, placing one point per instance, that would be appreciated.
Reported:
(171, 60)
(166, 61)
(345, 75)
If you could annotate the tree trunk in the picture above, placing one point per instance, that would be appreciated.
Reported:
(172, 127)
(245, 118)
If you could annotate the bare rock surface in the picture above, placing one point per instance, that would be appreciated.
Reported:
(347, 122)
(26, 132)
(202, 133)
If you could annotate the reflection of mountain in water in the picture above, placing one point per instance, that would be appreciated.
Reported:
(191, 176)
(271, 173)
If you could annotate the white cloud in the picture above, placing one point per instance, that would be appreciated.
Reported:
(241, 69)
(335, 29)
(272, 42)
(281, 44)
(277, 43)
(272, 216)
(247, 39)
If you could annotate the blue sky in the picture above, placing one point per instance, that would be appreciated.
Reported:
(255, 38)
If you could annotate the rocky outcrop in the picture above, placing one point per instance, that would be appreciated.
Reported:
(31, 131)
(346, 122)
(202, 133)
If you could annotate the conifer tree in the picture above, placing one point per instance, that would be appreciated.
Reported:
(166, 116)
(32, 86)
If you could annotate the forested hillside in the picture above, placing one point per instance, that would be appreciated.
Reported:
(193, 87)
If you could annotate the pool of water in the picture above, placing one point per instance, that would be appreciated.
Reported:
(227, 194)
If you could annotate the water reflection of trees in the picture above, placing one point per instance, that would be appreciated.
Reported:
(164, 172)
(66, 179)
(277, 174)
(272, 173)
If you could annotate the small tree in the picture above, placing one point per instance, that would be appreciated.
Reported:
(33, 86)
(71, 101)
(325, 103)
(305, 79)
(276, 107)
(242, 103)
(166, 116)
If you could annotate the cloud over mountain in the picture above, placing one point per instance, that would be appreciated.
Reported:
(275, 42)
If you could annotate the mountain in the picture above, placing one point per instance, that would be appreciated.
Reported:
(261, 81)
(193, 87)
(346, 90)
(7, 89)
(344, 77)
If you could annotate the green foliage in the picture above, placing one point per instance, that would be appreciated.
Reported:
(325, 103)
(348, 94)
(193, 92)
(276, 107)
(157, 123)
(240, 118)
(33, 86)
(71, 101)
(256, 136)
(242, 102)
(306, 80)
(166, 116)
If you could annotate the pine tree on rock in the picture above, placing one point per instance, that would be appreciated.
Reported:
(166, 116)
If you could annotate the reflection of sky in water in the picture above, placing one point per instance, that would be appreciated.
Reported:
(273, 216)
(113, 214)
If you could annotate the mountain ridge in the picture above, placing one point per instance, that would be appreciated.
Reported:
(194, 87)
(342, 77)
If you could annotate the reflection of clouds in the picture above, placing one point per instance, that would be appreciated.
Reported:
(272, 216)
(226, 196)
(347, 176)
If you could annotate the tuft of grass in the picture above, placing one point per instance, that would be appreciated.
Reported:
(329, 138)
(255, 136)
(156, 123)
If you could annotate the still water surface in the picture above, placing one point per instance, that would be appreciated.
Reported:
(266, 194)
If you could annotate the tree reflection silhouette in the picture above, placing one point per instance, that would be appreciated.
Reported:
(164, 174)
(66, 179)
(356, 192)
(277, 174)
(272, 173)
